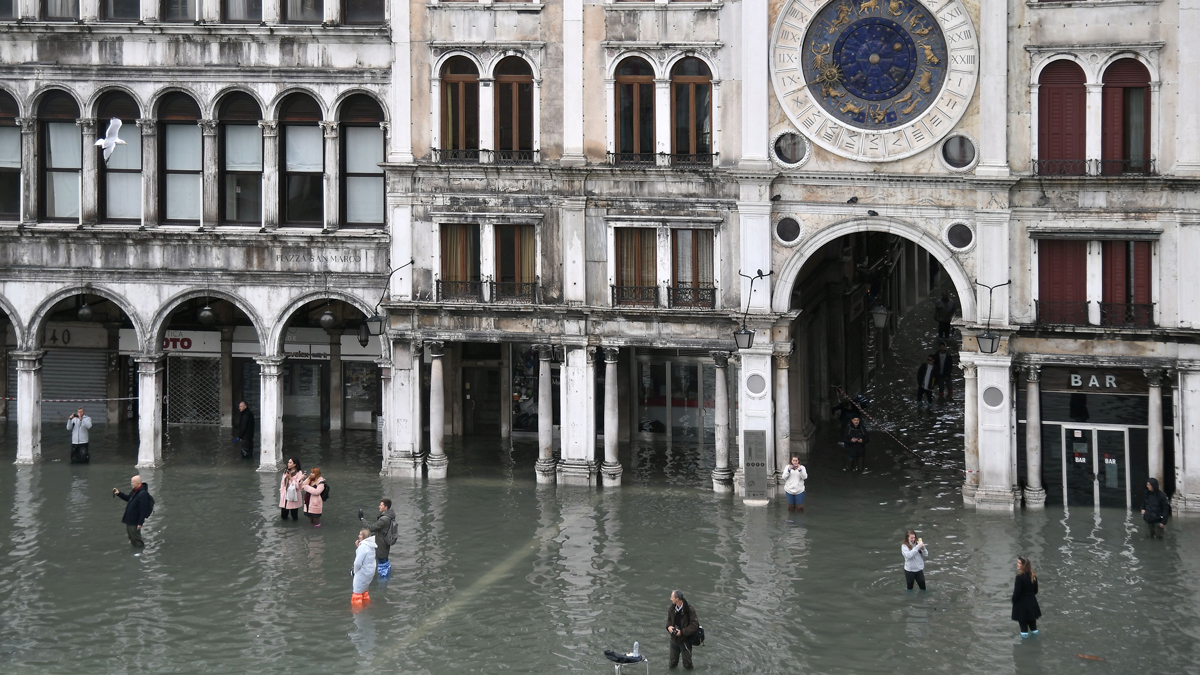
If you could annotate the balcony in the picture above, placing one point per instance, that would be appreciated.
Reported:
(635, 296)
(1112, 314)
(459, 291)
(1126, 167)
(1127, 314)
(516, 292)
(1060, 167)
(633, 158)
(510, 157)
(1095, 167)
(703, 296)
(696, 161)
(447, 156)
(1062, 313)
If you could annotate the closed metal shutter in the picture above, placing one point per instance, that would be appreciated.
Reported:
(71, 374)
(193, 390)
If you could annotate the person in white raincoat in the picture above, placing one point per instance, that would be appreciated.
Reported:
(364, 567)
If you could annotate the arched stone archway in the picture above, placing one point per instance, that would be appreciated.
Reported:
(158, 325)
(278, 331)
(40, 316)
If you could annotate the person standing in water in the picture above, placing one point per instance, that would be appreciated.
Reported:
(915, 554)
(1156, 508)
(1026, 610)
(794, 475)
(314, 501)
(855, 439)
(364, 567)
(289, 490)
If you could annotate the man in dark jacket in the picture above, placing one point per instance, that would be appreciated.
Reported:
(943, 369)
(381, 528)
(943, 313)
(925, 381)
(1156, 508)
(681, 625)
(138, 505)
(856, 438)
(245, 434)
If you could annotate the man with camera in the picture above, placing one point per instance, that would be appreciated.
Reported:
(78, 424)
(682, 624)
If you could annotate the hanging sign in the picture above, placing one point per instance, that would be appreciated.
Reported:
(1094, 380)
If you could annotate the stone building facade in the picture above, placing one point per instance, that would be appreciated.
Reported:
(559, 213)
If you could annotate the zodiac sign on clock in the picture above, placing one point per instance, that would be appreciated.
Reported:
(895, 8)
(930, 58)
(868, 6)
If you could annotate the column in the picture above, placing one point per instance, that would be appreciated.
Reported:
(754, 45)
(993, 89)
(402, 410)
(572, 86)
(386, 405)
(1154, 439)
(1187, 451)
(332, 168)
(333, 12)
(1187, 120)
(270, 179)
(577, 416)
(1095, 281)
(210, 211)
(29, 160)
(1035, 495)
(270, 412)
(88, 188)
(150, 15)
(662, 121)
(996, 478)
(150, 423)
(911, 286)
(487, 118)
(1095, 105)
(437, 462)
(970, 432)
(611, 470)
(922, 274)
(112, 407)
(149, 129)
(227, 376)
(722, 475)
(574, 265)
(545, 466)
(783, 412)
(336, 397)
(29, 405)
(400, 91)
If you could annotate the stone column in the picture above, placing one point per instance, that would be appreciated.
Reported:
(270, 412)
(210, 207)
(993, 89)
(437, 462)
(722, 475)
(149, 129)
(783, 413)
(662, 122)
(1094, 117)
(29, 175)
(150, 422)
(227, 402)
(29, 406)
(611, 470)
(386, 431)
(1154, 439)
(270, 179)
(88, 174)
(487, 118)
(1187, 440)
(336, 395)
(995, 435)
(970, 432)
(572, 87)
(1035, 494)
(332, 168)
(577, 417)
(545, 466)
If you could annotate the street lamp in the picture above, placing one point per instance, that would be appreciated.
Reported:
(989, 342)
(364, 334)
(744, 337)
(374, 323)
(85, 311)
(879, 314)
(206, 315)
(327, 320)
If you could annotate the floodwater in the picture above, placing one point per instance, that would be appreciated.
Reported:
(493, 573)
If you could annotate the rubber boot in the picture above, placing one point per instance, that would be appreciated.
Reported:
(366, 597)
(356, 599)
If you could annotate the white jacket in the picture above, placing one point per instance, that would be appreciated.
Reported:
(914, 558)
(79, 429)
(793, 479)
(364, 564)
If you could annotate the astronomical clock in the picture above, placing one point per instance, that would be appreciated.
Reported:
(874, 80)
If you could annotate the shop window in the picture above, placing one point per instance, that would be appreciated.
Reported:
(180, 11)
(60, 10)
(1062, 282)
(362, 12)
(60, 156)
(241, 163)
(516, 264)
(362, 152)
(181, 158)
(691, 113)
(635, 112)
(303, 11)
(514, 111)
(460, 264)
(242, 11)
(10, 159)
(460, 111)
(637, 267)
(1125, 119)
(121, 10)
(121, 176)
(1062, 120)
(1127, 300)
(692, 269)
(303, 160)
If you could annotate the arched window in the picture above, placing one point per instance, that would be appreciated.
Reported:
(121, 176)
(120, 10)
(182, 158)
(60, 10)
(362, 151)
(241, 159)
(1062, 119)
(302, 156)
(360, 12)
(303, 11)
(635, 112)
(514, 111)
(460, 110)
(691, 113)
(60, 157)
(10, 159)
(1125, 119)
(180, 11)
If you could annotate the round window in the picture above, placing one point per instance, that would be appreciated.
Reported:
(790, 148)
(959, 235)
(958, 151)
(993, 397)
(756, 384)
(788, 230)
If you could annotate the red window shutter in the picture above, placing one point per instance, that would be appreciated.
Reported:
(1062, 112)
(1141, 273)
(1115, 257)
(1062, 271)
(1113, 124)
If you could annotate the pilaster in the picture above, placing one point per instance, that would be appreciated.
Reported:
(89, 173)
(210, 210)
(270, 411)
(149, 129)
(270, 179)
(150, 422)
(29, 405)
(332, 169)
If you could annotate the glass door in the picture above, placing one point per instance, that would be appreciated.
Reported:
(1079, 467)
(1112, 477)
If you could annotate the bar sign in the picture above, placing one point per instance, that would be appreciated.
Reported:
(756, 464)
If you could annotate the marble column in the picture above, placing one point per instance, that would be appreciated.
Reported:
(210, 206)
(993, 401)
(970, 432)
(270, 412)
(226, 396)
(88, 174)
(402, 409)
(332, 171)
(336, 395)
(270, 176)
(577, 417)
(149, 129)
(29, 176)
(1154, 439)
(783, 413)
(662, 122)
(572, 88)
(1035, 494)
(437, 462)
(610, 470)
(1094, 117)
(386, 419)
(29, 405)
(722, 475)
(545, 466)
(487, 119)
(150, 422)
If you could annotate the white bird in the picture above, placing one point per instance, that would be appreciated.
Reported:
(110, 140)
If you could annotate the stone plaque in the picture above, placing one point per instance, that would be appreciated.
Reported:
(755, 470)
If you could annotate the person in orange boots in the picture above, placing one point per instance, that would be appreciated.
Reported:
(364, 567)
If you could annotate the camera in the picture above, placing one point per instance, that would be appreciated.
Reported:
(360, 514)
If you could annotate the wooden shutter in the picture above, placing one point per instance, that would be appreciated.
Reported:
(1115, 258)
(8, 108)
(178, 106)
(58, 105)
(1062, 112)
(1112, 124)
(1062, 271)
(1141, 273)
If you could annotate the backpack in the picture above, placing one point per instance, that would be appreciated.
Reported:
(150, 508)
(325, 492)
(393, 533)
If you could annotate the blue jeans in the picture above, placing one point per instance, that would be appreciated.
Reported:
(383, 567)
(795, 500)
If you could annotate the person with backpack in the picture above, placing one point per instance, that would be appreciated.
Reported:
(386, 533)
(682, 624)
(1156, 509)
(138, 507)
(316, 491)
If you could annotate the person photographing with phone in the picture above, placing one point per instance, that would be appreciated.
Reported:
(915, 554)
(78, 424)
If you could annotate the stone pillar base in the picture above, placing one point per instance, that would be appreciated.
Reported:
(1035, 498)
(968, 493)
(28, 460)
(404, 466)
(155, 465)
(546, 470)
(722, 480)
(576, 472)
(739, 482)
(436, 467)
(610, 474)
(995, 499)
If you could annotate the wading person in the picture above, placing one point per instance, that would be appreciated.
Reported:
(314, 499)
(138, 507)
(364, 567)
(1025, 609)
(856, 439)
(943, 313)
(78, 424)
(245, 434)
(925, 381)
(794, 475)
(915, 554)
(384, 529)
(1156, 508)
(289, 490)
(681, 625)
(943, 370)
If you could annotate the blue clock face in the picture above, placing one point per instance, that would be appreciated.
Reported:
(874, 64)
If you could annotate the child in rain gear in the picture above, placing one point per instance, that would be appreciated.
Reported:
(364, 568)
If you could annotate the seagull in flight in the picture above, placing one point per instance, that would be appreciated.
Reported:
(110, 140)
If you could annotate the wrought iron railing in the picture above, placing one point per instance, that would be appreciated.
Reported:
(633, 158)
(1060, 167)
(704, 295)
(1095, 167)
(451, 156)
(693, 161)
(636, 296)
(1132, 314)
(517, 292)
(1129, 167)
(459, 291)
(511, 157)
(1062, 313)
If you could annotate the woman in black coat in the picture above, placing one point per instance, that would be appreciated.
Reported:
(1156, 508)
(1025, 609)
